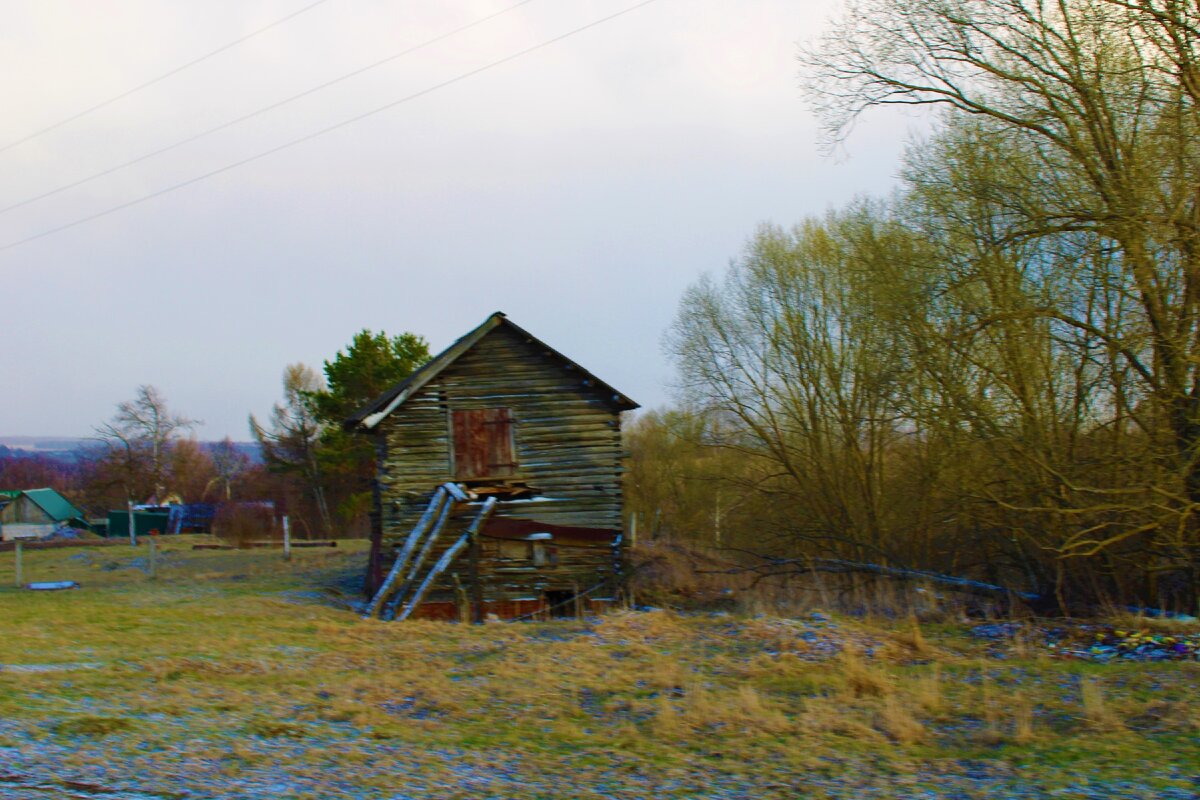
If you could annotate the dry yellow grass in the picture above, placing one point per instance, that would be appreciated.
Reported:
(1096, 712)
(907, 643)
(1022, 719)
(897, 721)
(861, 679)
(928, 692)
(249, 662)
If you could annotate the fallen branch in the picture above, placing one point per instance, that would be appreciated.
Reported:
(794, 566)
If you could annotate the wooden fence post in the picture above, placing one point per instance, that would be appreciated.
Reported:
(153, 556)
(287, 539)
(17, 550)
(627, 589)
(132, 527)
(476, 601)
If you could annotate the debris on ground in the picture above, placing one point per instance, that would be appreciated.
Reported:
(997, 630)
(1094, 642)
(69, 535)
(1136, 646)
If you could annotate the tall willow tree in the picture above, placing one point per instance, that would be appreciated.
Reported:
(790, 349)
(1097, 100)
(996, 372)
(1058, 454)
(290, 444)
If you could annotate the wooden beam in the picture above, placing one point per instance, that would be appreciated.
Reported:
(381, 596)
(476, 581)
(448, 557)
(419, 561)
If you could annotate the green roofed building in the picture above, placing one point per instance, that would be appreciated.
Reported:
(33, 513)
(144, 523)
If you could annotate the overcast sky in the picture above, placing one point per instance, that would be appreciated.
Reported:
(579, 188)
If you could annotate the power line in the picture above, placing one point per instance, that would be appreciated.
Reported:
(263, 110)
(159, 78)
(309, 137)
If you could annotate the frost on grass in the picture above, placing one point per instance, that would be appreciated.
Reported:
(214, 687)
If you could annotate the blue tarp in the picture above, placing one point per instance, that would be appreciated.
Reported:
(191, 518)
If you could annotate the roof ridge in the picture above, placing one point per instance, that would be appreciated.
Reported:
(374, 412)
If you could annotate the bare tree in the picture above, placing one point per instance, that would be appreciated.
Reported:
(290, 444)
(791, 352)
(1093, 109)
(229, 464)
(682, 481)
(1101, 97)
(141, 433)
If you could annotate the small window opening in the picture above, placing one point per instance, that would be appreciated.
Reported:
(544, 555)
(560, 604)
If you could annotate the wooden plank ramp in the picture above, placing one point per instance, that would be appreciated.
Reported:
(440, 498)
(405, 580)
(448, 557)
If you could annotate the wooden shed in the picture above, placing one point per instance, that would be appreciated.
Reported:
(498, 486)
(34, 513)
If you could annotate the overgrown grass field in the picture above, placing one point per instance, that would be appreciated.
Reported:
(237, 674)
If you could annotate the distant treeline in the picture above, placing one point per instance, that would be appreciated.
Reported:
(75, 450)
(301, 460)
(98, 479)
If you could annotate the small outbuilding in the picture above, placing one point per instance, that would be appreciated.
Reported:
(34, 513)
(525, 445)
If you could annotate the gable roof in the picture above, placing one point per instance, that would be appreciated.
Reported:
(57, 507)
(374, 412)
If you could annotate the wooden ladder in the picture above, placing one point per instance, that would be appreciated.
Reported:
(406, 572)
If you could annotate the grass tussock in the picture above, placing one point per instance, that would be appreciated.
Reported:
(928, 692)
(907, 644)
(862, 679)
(276, 729)
(1022, 719)
(92, 726)
(897, 721)
(826, 719)
(1097, 714)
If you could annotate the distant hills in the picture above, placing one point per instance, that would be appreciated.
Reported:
(67, 448)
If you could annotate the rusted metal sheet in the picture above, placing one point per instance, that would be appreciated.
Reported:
(536, 609)
(517, 528)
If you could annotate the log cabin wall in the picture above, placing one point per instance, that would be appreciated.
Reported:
(565, 444)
